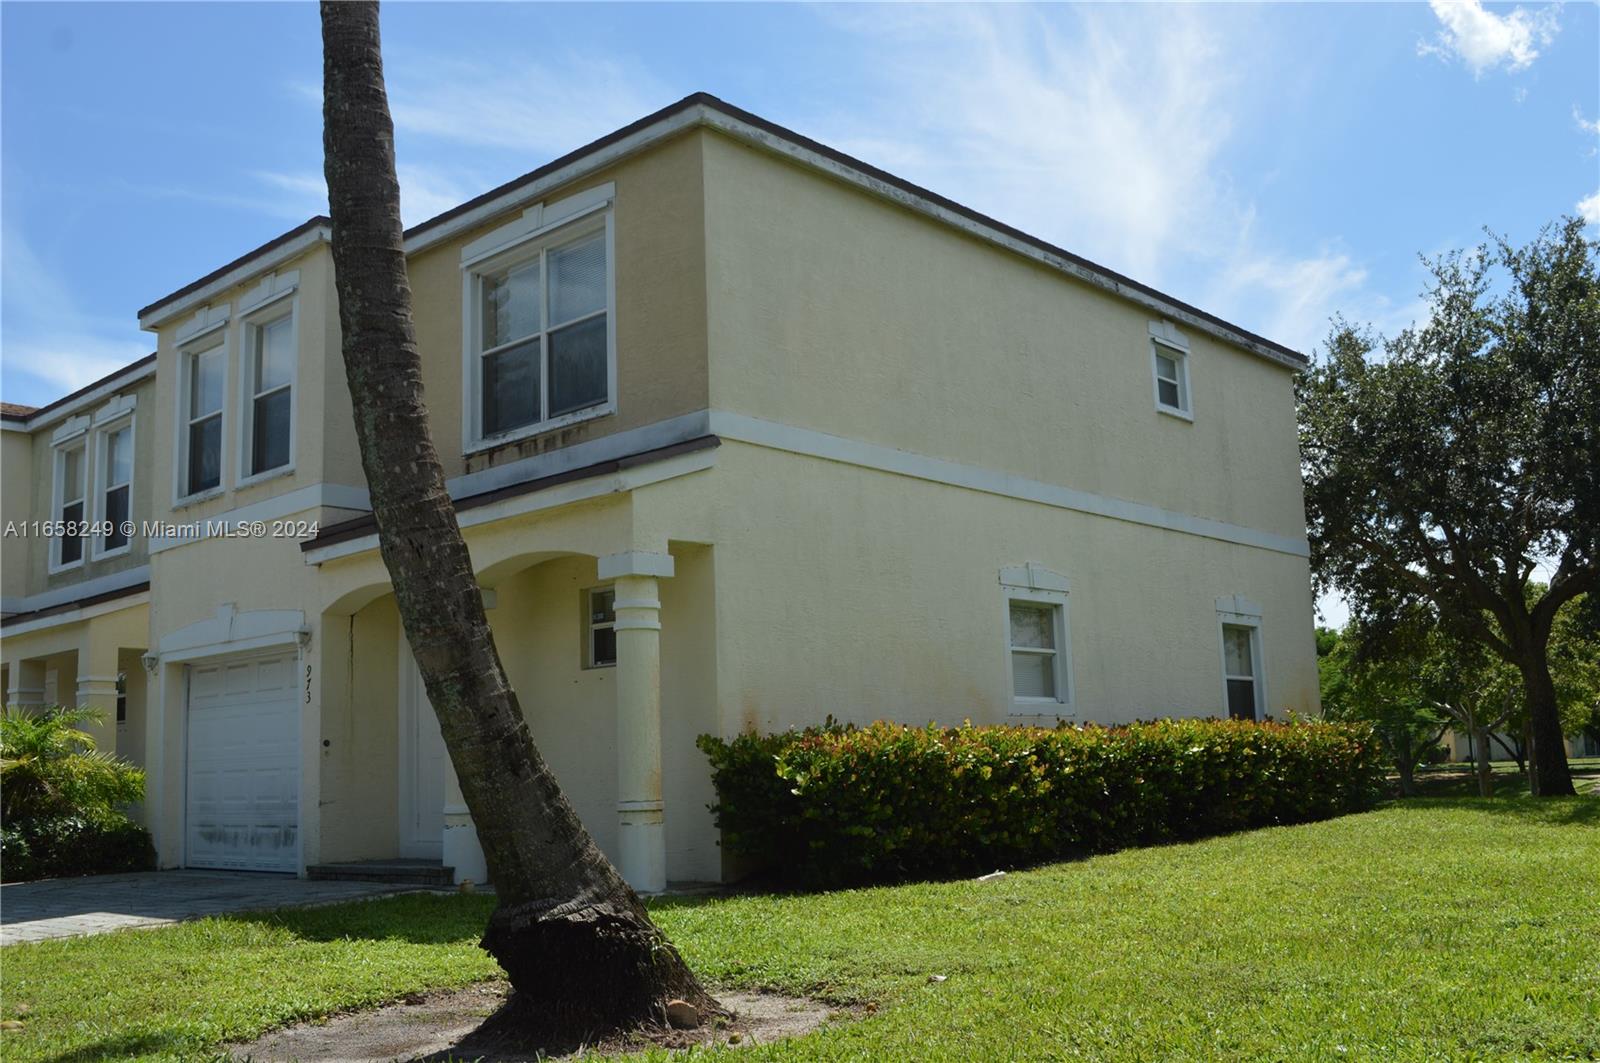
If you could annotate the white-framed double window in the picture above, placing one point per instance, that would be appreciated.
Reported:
(539, 335)
(1244, 684)
(600, 627)
(1169, 367)
(114, 487)
(71, 503)
(1038, 642)
(203, 385)
(270, 361)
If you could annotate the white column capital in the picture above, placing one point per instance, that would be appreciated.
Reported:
(636, 563)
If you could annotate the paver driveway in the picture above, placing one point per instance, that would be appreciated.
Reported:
(72, 907)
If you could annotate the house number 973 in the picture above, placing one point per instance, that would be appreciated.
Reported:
(308, 684)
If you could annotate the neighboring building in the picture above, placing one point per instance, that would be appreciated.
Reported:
(742, 432)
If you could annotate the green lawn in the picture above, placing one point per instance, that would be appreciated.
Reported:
(1429, 930)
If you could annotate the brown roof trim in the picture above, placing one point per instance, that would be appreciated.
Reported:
(357, 527)
(702, 99)
(77, 603)
(130, 367)
(16, 411)
(276, 242)
(781, 132)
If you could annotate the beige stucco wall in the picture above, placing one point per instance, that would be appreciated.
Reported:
(27, 558)
(869, 595)
(659, 223)
(17, 489)
(836, 311)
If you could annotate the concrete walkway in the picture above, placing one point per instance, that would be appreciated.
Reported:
(73, 907)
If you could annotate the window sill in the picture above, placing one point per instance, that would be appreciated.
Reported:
(71, 566)
(1172, 411)
(111, 555)
(200, 496)
(479, 446)
(264, 477)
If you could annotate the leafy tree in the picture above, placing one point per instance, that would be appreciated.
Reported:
(1381, 691)
(1445, 465)
(581, 952)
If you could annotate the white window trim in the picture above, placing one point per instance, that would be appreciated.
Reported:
(269, 311)
(180, 448)
(103, 432)
(540, 227)
(1238, 611)
(77, 440)
(589, 625)
(1033, 584)
(1167, 341)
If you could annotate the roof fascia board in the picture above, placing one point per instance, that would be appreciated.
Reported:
(49, 415)
(248, 269)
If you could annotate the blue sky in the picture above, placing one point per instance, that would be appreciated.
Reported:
(1273, 164)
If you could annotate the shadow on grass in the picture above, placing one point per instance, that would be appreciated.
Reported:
(1583, 810)
(415, 918)
(128, 1046)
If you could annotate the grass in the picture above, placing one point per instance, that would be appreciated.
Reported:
(1458, 779)
(1431, 929)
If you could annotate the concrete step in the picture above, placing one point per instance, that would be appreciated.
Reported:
(399, 872)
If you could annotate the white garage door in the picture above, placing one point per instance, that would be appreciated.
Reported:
(244, 765)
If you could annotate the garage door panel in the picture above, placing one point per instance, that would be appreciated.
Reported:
(244, 765)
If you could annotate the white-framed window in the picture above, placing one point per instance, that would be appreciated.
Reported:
(1038, 643)
(115, 487)
(1244, 686)
(539, 335)
(1169, 367)
(600, 620)
(270, 362)
(71, 502)
(204, 376)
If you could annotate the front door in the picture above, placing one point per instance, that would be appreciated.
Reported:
(422, 766)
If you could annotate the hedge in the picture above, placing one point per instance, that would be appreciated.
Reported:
(64, 846)
(837, 805)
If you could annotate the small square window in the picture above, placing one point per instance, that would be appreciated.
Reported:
(600, 607)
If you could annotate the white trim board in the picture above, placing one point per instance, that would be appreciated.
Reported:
(45, 416)
(312, 496)
(773, 435)
(549, 498)
(74, 616)
(111, 581)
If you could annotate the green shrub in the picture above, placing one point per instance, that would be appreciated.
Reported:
(63, 846)
(834, 805)
(62, 801)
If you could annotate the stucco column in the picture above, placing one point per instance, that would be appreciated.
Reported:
(25, 680)
(642, 834)
(97, 684)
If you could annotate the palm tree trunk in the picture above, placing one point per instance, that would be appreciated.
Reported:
(573, 937)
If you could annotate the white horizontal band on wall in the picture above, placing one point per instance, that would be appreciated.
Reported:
(753, 430)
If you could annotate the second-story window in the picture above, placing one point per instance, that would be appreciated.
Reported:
(71, 482)
(542, 330)
(269, 371)
(202, 434)
(116, 475)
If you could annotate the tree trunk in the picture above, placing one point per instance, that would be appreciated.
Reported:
(1548, 774)
(581, 952)
(1480, 758)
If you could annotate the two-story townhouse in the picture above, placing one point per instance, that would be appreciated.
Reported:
(75, 605)
(742, 432)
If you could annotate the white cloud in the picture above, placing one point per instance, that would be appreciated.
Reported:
(538, 109)
(1107, 136)
(1484, 40)
(1589, 209)
(51, 347)
(1584, 125)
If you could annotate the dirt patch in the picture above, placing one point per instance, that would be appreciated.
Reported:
(440, 1026)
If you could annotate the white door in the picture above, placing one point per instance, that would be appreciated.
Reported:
(423, 765)
(243, 798)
